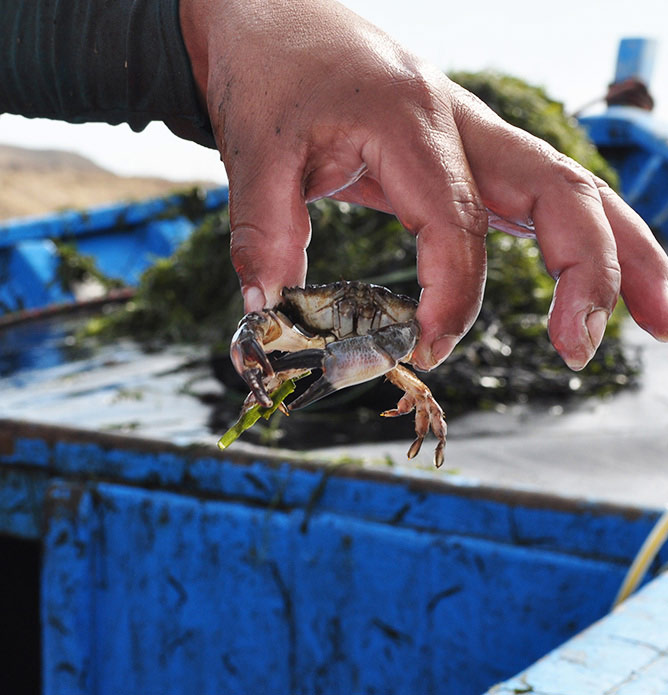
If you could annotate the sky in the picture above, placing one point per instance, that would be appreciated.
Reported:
(567, 46)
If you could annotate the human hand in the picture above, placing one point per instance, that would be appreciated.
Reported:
(308, 100)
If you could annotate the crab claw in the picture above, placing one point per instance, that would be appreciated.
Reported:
(249, 358)
(310, 358)
(428, 413)
(350, 361)
(306, 359)
(253, 377)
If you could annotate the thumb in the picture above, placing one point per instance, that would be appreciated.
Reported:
(270, 230)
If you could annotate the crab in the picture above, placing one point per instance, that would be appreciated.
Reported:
(351, 331)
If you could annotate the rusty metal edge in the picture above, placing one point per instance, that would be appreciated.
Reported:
(16, 318)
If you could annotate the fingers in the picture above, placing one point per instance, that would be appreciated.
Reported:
(586, 234)
(270, 229)
(644, 265)
(451, 272)
(366, 192)
(431, 190)
(579, 249)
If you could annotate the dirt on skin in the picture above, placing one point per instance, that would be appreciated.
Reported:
(36, 182)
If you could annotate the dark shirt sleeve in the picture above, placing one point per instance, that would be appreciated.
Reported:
(114, 61)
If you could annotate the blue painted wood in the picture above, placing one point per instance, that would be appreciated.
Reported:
(635, 144)
(67, 595)
(610, 532)
(170, 570)
(123, 239)
(215, 596)
(626, 653)
(78, 224)
(28, 276)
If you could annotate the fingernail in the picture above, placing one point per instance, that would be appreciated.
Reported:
(254, 299)
(661, 337)
(440, 349)
(596, 323)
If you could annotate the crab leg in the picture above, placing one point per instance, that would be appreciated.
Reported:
(428, 413)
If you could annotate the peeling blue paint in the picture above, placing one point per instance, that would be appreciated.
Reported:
(213, 596)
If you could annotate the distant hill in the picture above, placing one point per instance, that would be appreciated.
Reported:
(34, 182)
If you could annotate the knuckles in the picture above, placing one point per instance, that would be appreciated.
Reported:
(573, 177)
(468, 214)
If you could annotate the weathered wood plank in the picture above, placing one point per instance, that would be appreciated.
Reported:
(625, 653)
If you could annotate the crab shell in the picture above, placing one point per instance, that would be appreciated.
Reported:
(344, 309)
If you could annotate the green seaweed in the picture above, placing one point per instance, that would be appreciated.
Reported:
(255, 412)
(75, 267)
(530, 108)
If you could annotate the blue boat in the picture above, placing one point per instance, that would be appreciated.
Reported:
(149, 568)
(632, 139)
(122, 239)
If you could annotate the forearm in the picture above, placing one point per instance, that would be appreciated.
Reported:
(91, 60)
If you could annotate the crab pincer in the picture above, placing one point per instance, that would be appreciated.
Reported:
(249, 358)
